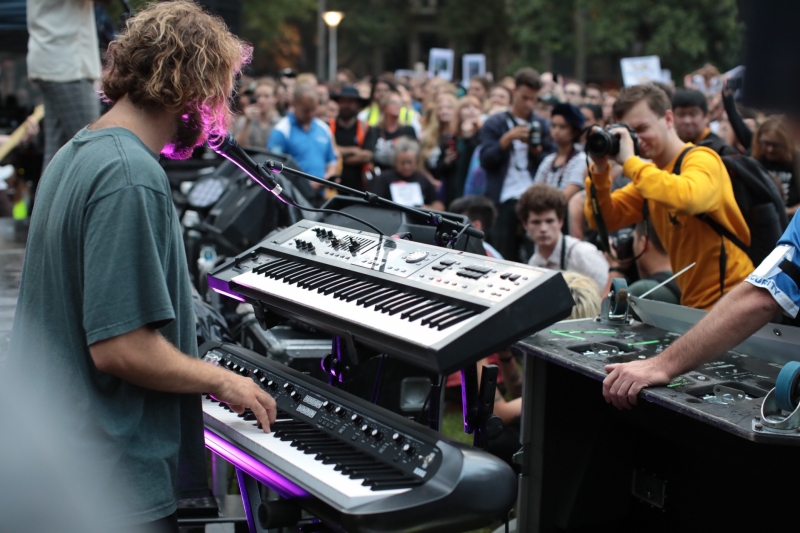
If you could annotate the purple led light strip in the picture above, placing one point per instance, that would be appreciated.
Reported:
(228, 294)
(253, 467)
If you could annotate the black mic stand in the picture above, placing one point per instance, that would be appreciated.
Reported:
(447, 230)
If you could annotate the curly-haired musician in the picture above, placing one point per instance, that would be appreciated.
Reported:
(104, 317)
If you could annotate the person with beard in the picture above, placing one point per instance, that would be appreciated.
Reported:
(111, 327)
(351, 135)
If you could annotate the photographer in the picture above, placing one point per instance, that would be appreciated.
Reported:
(512, 146)
(643, 247)
(702, 187)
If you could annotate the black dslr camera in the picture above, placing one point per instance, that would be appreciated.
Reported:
(622, 243)
(600, 143)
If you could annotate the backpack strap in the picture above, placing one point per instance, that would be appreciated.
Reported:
(721, 230)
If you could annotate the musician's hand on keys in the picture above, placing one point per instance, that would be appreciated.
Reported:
(243, 393)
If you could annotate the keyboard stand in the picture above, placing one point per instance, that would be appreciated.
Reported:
(531, 436)
(250, 472)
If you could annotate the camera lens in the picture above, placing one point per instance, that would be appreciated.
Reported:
(598, 143)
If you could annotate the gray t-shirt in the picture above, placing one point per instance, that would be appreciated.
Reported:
(105, 256)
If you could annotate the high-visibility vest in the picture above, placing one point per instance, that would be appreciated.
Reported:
(405, 118)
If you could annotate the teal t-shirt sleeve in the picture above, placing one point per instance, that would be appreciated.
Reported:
(126, 238)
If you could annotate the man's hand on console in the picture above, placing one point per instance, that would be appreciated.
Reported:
(243, 393)
(625, 381)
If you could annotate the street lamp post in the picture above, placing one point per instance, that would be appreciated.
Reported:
(332, 19)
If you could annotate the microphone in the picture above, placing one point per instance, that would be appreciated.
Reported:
(230, 149)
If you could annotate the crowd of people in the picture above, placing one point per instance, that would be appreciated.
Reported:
(517, 157)
(516, 147)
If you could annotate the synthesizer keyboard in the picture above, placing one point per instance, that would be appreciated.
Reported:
(436, 308)
(372, 470)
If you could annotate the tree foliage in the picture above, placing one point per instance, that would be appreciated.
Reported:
(684, 33)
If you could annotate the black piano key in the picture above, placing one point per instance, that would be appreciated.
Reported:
(345, 452)
(275, 274)
(368, 294)
(424, 311)
(333, 459)
(331, 281)
(438, 312)
(326, 447)
(360, 292)
(383, 476)
(435, 320)
(397, 298)
(356, 285)
(364, 474)
(344, 465)
(315, 274)
(416, 307)
(455, 319)
(272, 265)
(328, 289)
(312, 446)
(281, 267)
(325, 281)
(288, 271)
(390, 485)
(402, 306)
(314, 277)
(373, 467)
(377, 297)
(313, 284)
(302, 274)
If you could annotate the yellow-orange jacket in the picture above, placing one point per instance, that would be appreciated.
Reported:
(703, 186)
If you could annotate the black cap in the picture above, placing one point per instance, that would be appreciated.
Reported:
(349, 91)
(571, 114)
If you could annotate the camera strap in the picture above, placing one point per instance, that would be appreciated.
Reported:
(598, 215)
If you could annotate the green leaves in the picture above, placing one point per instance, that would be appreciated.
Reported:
(684, 33)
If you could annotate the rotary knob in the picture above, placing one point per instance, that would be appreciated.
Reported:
(408, 449)
(356, 418)
(328, 406)
(416, 257)
(272, 385)
(294, 395)
(398, 438)
(366, 429)
(340, 412)
(288, 387)
(376, 434)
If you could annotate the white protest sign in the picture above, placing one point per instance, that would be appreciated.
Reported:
(639, 70)
(472, 65)
(440, 63)
(407, 193)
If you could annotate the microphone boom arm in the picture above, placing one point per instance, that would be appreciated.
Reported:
(431, 218)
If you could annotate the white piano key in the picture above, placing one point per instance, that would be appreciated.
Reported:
(321, 480)
(390, 325)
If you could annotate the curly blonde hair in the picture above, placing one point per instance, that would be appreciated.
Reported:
(176, 56)
(586, 294)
